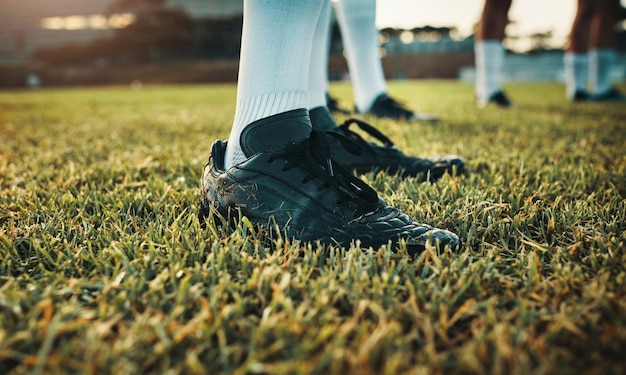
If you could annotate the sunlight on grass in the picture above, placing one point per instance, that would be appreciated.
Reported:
(105, 268)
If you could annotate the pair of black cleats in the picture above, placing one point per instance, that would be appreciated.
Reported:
(384, 107)
(500, 99)
(293, 186)
(609, 96)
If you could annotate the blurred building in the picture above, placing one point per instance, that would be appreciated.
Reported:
(76, 41)
(28, 25)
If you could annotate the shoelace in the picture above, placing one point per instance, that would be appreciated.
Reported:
(387, 145)
(369, 129)
(313, 156)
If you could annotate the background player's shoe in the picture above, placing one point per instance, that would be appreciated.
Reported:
(611, 95)
(580, 96)
(386, 107)
(385, 156)
(498, 98)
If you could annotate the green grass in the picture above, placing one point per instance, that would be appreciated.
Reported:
(104, 267)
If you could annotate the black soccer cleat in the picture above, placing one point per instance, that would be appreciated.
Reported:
(609, 96)
(294, 189)
(498, 98)
(580, 96)
(385, 107)
(386, 156)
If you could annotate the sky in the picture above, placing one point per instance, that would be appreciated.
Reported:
(530, 16)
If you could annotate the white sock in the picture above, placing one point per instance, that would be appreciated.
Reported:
(489, 59)
(274, 64)
(357, 20)
(600, 63)
(575, 73)
(318, 69)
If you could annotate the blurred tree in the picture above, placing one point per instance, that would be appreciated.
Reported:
(540, 41)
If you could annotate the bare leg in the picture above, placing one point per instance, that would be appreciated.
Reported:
(489, 52)
(575, 58)
(493, 20)
(602, 42)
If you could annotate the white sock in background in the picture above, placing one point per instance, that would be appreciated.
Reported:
(489, 59)
(575, 73)
(600, 63)
(274, 64)
(357, 20)
(318, 69)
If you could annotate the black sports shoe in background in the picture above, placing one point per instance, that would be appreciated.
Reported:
(580, 96)
(611, 95)
(381, 157)
(385, 107)
(499, 98)
(296, 189)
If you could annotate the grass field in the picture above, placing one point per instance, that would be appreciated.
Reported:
(104, 267)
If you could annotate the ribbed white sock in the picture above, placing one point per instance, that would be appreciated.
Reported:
(276, 45)
(489, 59)
(575, 73)
(600, 63)
(357, 20)
(318, 69)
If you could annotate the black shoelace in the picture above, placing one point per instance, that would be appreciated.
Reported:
(369, 129)
(388, 148)
(313, 156)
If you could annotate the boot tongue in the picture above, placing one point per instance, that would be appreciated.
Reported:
(321, 118)
(276, 132)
